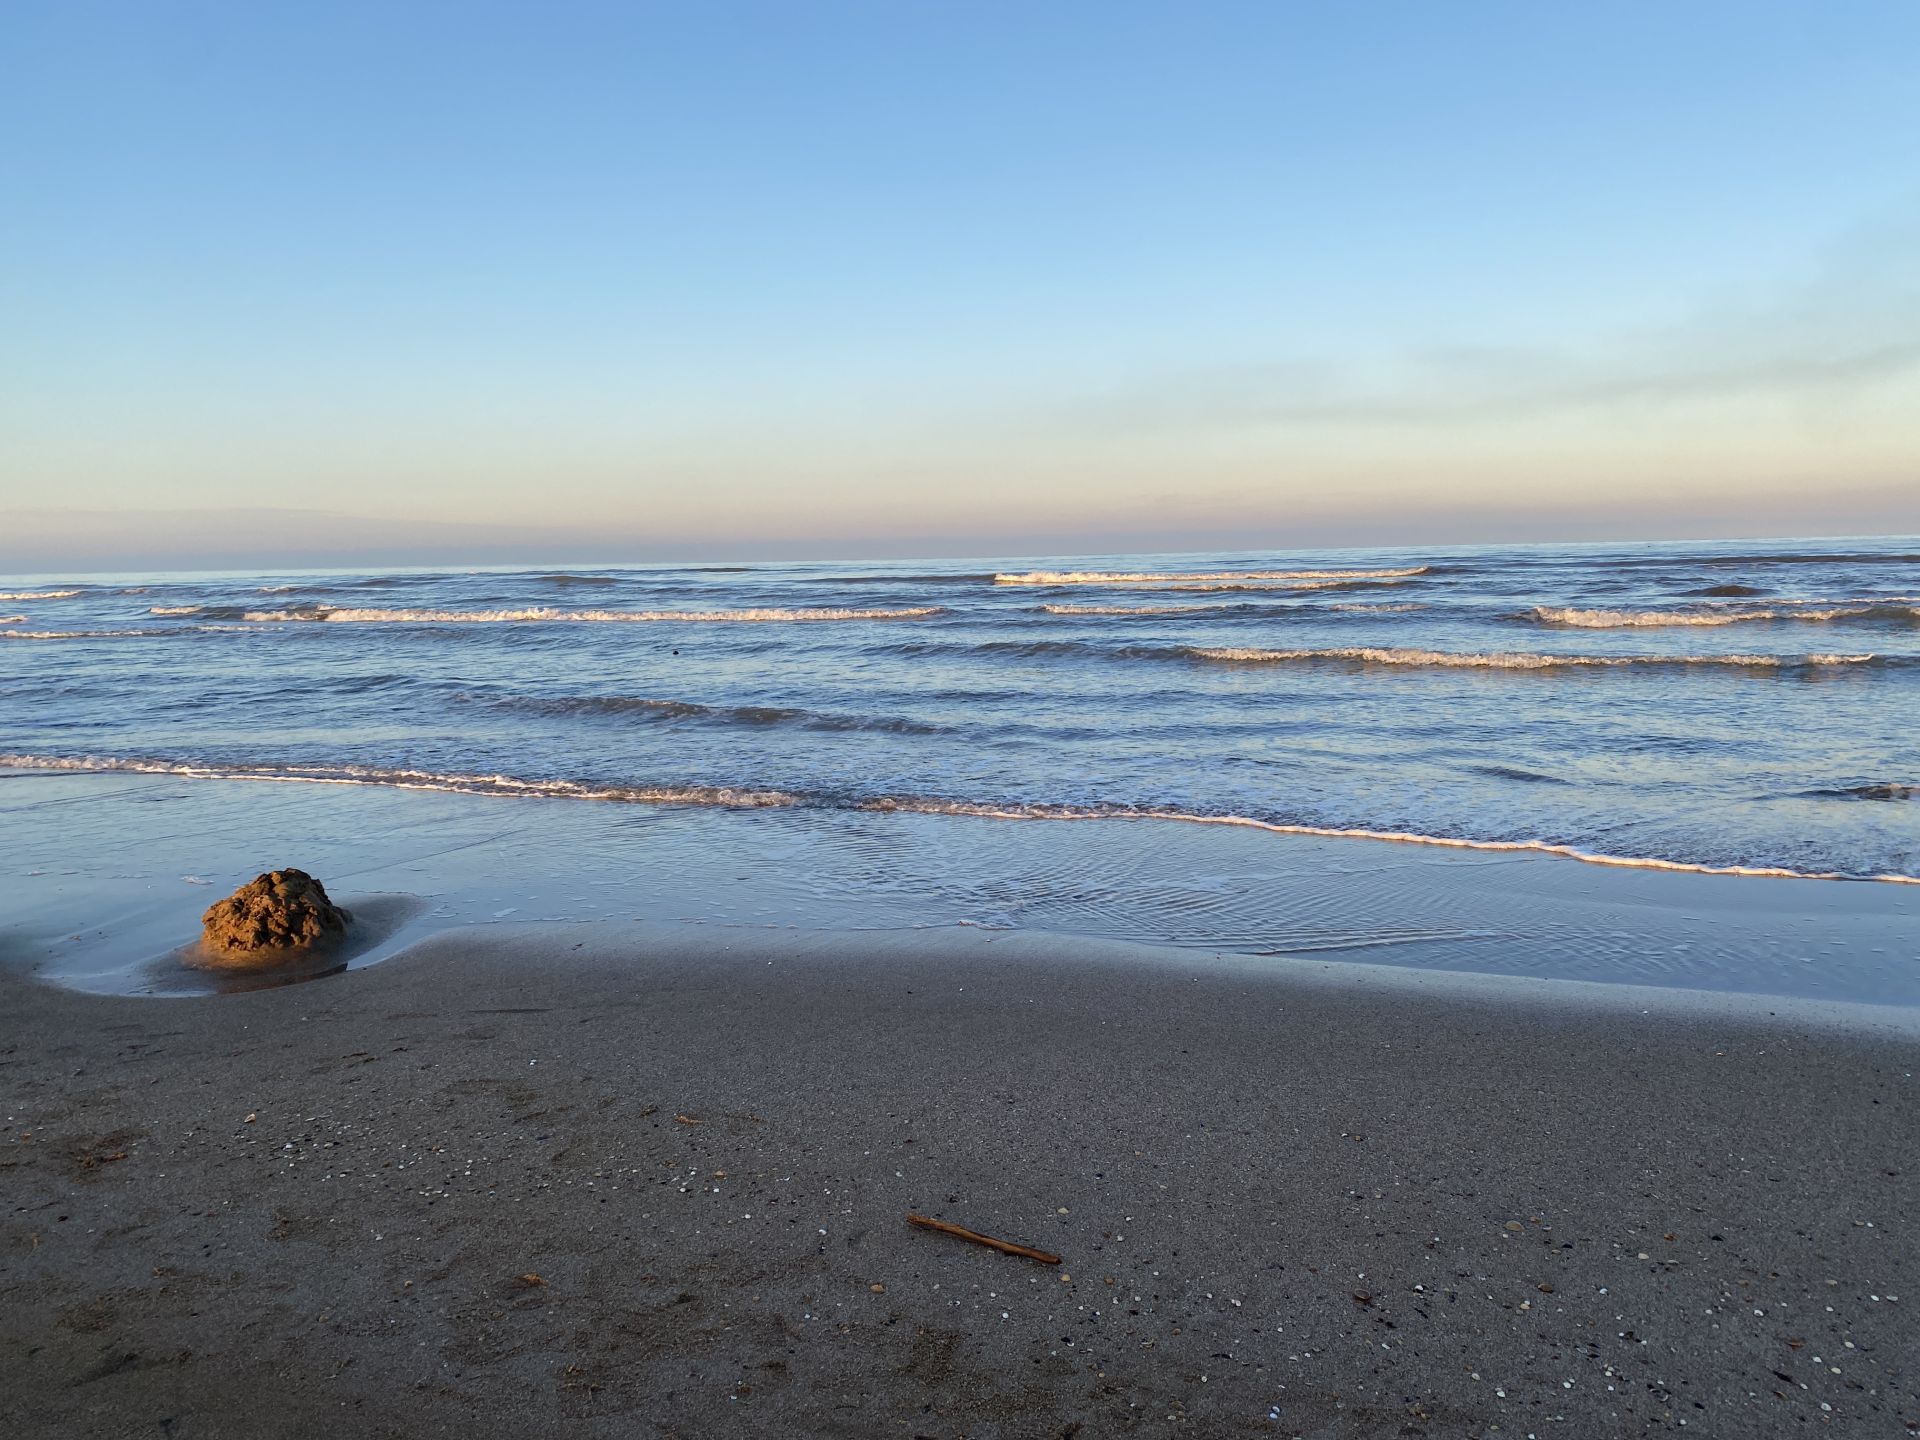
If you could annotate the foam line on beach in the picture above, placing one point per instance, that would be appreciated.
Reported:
(1405, 837)
(544, 615)
(400, 779)
(730, 797)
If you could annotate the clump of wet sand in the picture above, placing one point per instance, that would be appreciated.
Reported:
(275, 917)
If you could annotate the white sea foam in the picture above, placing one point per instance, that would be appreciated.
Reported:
(748, 798)
(1407, 837)
(175, 609)
(13, 619)
(1447, 659)
(1153, 577)
(1204, 608)
(399, 779)
(38, 594)
(1131, 609)
(1809, 611)
(75, 634)
(545, 615)
(1263, 587)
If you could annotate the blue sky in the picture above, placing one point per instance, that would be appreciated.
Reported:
(645, 280)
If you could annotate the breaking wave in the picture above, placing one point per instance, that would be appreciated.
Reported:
(1810, 611)
(544, 615)
(1162, 577)
(1245, 607)
(1268, 586)
(1134, 609)
(175, 609)
(1452, 660)
(39, 594)
(732, 797)
(1379, 655)
(76, 634)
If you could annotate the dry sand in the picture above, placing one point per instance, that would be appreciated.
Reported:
(518, 1188)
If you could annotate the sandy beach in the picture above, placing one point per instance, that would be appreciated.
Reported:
(586, 1181)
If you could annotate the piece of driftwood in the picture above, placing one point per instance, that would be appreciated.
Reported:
(1005, 1247)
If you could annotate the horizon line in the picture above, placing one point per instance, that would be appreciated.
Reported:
(701, 559)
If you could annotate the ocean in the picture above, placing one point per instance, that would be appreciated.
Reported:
(1747, 706)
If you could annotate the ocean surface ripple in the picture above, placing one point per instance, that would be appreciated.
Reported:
(1654, 705)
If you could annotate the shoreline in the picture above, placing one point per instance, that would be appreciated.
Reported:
(1351, 1207)
(119, 866)
(737, 798)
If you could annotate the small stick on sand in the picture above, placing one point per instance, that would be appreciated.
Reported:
(1005, 1247)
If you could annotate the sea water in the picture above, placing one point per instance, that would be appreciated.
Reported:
(1749, 707)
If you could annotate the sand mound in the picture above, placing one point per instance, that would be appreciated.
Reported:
(272, 917)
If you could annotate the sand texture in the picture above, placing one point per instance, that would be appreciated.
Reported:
(518, 1188)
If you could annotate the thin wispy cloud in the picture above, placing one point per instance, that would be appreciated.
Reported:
(1848, 330)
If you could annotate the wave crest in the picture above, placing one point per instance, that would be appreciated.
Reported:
(1132, 609)
(39, 594)
(1788, 610)
(545, 615)
(1164, 577)
(76, 634)
(1521, 660)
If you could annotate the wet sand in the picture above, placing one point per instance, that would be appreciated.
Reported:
(593, 1181)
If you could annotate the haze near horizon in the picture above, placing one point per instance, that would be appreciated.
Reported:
(485, 282)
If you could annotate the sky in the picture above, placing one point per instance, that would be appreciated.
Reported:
(487, 282)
